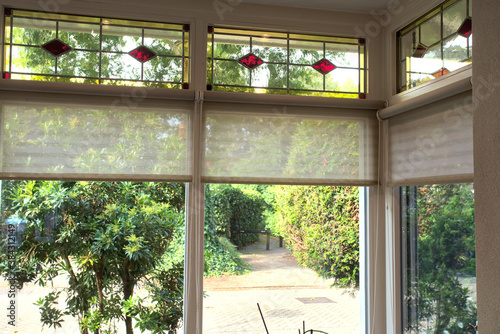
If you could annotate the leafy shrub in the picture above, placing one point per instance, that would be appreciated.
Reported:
(227, 210)
(321, 226)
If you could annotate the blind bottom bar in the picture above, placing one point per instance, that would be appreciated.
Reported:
(288, 181)
(439, 179)
(95, 177)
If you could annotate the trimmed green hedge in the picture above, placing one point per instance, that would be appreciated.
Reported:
(321, 226)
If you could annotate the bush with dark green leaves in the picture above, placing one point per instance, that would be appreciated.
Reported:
(228, 210)
(321, 226)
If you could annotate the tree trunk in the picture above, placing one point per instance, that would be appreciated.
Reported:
(128, 291)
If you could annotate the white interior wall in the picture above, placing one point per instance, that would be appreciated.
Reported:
(486, 93)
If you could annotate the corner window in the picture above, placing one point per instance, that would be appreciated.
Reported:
(434, 45)
(285, 63)
(94, 50)
(438, 259)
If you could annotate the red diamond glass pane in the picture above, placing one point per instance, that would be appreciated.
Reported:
(56, 47)
(324, 66)
(250, 61)
(466, 28)
(420, 51)
(441, 72)
(142, 54)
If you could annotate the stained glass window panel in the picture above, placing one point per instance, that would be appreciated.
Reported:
(434, 42)
(289, 63)
(95, 50)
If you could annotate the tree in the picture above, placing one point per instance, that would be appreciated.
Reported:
(446, 252)
(107, 237)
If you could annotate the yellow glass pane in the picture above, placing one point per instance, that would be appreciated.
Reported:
(6, 58)
(143, 24)
(186, 44)
(256, 33)
(52, 16)
(331, 39)
(7, 29)
(186, 70)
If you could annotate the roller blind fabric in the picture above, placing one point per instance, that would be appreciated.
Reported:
(255, 143)
(81, 137)
(433, 143)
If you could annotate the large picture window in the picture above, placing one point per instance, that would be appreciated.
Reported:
(285, 63)
(434, 45)
(95, 50)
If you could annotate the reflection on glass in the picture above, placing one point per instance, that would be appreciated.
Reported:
(120, 38)
(442, 47)
(343, 55)
(33, 32)
(164, 42)
(231, 47)
(439, 263)
(271, 50)
(80, 35)
(453, 17)
(305, 52)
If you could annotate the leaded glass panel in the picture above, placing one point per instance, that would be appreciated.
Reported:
(437, 43)
(282, 63)
(59, 47)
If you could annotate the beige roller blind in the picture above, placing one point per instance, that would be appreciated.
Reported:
(433, 143)
(255, 143)
(83, 137)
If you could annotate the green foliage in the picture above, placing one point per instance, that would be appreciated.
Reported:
(321, 226)
(227, 210)
(446, 251)
(105, 236)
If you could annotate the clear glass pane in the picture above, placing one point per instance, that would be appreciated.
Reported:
(32, 60)
(154, 228)
(344, 55)
(231, 47)
(455, 52)
(80, 35)
(79, 63)
(342, 80)
(305, 52)
(453, 17)
(305, 77)
(430, 31)
(230, 73)
(282, 270)
(120, 38)
(164, 42)
(270, 50)
(163, 69)
(120, 66)
(269, 75)
(439, 262)
(32, 31)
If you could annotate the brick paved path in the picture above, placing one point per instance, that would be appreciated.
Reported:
(276, 283)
